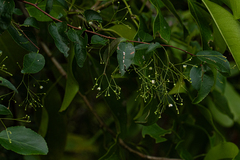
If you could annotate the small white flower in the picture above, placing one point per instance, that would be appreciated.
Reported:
(90, 23)
(184, 66)
(153, 81)
(150, 68)
(170, 105)
(99, 88)
(41, 87)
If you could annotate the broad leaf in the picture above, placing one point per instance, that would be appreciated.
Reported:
(58, 32)
(143, 31)
(31, 21)
(33, 63)
(6, 83)
(202, 80)
(6, 11)
(200, 15)
(4, 110)
(235, 6)
(92, 15)
(215, 58)
(21, 40)
(160, 25)
(23, 141)
(222, 151)
(155, 132)
(49, 6)
(144, 36)
(123, 31)
(228, 26)
(125, 55)
(113, 153)
(141, 46)
(79, 45)
(95, 39)
(72, 85)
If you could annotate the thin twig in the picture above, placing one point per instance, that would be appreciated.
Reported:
(96, 4)
(105, 5)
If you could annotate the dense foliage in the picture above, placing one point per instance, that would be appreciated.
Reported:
(113, 80)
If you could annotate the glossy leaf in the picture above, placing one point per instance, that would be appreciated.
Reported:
(95, 39)
(125, 55)
(228, 27)
(58, 32)
(155, 132)
(72, 85)
(160, 25)
(4, 110)
(21, 40)
(6, 83)
(92, 15)
(222, 151)
(49, 6)
(79, 45)
(31, 21)
(33, 63)
(202, 80)
(200, 15)
(23, 141)
(235, 6)
(6, 11)
(215, 58)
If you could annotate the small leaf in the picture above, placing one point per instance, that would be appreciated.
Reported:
(125, 55)
(49, 6)
(155, 132)
(23, 141)
(222, 151)
(33, 63)
(58, 32)
(4, 110)
(202, 80)
(17, 11)
(153, 46)
(6, 83)
(6, 11)
(217, 59)
(144, 36)
(31, 21)
(141, 46)
(92, 15)
(98, 40)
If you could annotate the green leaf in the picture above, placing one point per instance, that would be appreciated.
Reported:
(217, 59)
(49, 6)
(6, 83)
(98, 40)
(144, 36)
(79, 45)
(58, 32)
(160, 25)
(220, 83)
(202, 80)
(155, 132)
(143, 31)
(153, 46)
(92, 15)
(31, 21)
(182, 151)
(17, 11)
(72, 85)
(141, 46)
(21, 40)
(228, 27)
(4, 110)
(123, 31)
(219, 43)
(221, 151)
(63, 3)
(113, 153)
(57, 11)
(235, 6)
(6, 11)
(33, 63)
(125, 55)
(200, 16)
(23, 141)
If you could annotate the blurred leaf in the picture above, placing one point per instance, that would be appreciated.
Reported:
(179, 87)
(202, 80)
(92, 15)
(141, 46)
(235, 5)
(57, 11)
(160, 25)
(58, 32)
(219, 117)
(153, 46)
(182, 151)
(21, 40)
(125, 55)
(145, 37)
(17, 11)
(200, 16)
(4, 110)
(228, 27)
(112, 153)
(31, 21)
(221, 151)
(49, 6)
(6, 83)
(95, 39)
(6, 11)
(72, 85)
(33, 63)
(155, 132)
(63, 3)
(79, 45)
(23, 141)
(143, 31)
(123, 31)
(220, 83)
(217, 59)
(218, 40)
